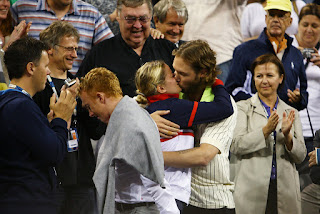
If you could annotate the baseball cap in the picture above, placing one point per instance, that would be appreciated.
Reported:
(284, 5)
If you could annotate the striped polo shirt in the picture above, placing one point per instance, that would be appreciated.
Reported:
(84, 17)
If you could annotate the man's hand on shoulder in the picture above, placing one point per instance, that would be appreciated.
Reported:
(156, 34)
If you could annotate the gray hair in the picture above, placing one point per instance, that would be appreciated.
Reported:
(56, 31)
(162, 7)
(133, 4)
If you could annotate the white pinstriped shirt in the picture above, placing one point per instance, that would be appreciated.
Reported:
(211, 187)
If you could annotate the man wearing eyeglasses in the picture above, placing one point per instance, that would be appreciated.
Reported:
(73, 195)
(126, 52)
(273, 39)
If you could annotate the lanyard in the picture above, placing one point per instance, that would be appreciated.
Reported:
(52, 86)
(19, 89)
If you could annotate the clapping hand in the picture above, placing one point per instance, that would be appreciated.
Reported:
(313, 158)
(294, 96)
(287, 122)
(272, 124)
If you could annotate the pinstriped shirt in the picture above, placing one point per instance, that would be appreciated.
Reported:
(211, 187)
(84, 17)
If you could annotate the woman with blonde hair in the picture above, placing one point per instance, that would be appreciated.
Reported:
(158, 90)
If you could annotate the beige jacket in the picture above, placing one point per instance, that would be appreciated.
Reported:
(254, 159)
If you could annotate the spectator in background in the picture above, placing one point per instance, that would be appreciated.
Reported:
(310, 198)
(308, 39)
(108, 10)
(8, 34)
(267, 143)
(271, 40)
(72, 195)
(217, 22)
(253, 19)
(31, 146)
(169, 17)
(84, 17)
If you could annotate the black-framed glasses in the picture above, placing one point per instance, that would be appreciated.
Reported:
(69, 49)
(132, 19)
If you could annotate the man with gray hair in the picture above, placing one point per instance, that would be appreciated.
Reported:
(170, 16)
(73, 195)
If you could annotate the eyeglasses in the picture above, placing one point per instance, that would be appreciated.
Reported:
(69, 49)
(132, 19)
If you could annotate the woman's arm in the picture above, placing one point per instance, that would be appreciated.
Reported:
(186, 113)
(298, 151)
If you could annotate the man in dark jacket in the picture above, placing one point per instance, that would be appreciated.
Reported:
(271, 40)
(30, 146)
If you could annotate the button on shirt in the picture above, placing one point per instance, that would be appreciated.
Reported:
(274, 133)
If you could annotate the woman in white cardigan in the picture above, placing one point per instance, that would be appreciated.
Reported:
(267, 143)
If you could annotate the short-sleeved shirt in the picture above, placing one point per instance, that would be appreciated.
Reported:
(84, 17)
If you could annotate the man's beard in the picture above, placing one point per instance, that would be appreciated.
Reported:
(194, 86)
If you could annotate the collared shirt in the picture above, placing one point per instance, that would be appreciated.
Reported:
(211, 187)
(274, 158)
(84, 17)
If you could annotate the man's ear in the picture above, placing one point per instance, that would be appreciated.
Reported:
(281, 77)
(156, 21)
(203, 73)
(161, 89)
(30, 68)
(101, 97)
(290, 21)
(50, 51)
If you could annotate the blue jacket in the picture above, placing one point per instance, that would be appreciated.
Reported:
(187, 113)
(30, 148)
(239, 81)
